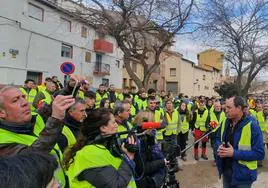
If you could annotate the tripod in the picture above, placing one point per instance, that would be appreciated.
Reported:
(170, 180)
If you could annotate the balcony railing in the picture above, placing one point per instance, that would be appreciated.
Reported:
(101, 69)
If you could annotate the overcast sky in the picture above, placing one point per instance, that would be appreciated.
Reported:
(188, 47)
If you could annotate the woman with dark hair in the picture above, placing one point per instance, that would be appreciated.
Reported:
(96, 159)
(28, 170)
(185, 116)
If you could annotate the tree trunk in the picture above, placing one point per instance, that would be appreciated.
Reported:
(239, 84)
(132, 75)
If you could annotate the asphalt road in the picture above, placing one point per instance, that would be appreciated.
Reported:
(203, 174)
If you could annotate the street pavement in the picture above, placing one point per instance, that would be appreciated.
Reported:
(202, 174)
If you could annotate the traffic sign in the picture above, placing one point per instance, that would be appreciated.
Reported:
(67, 68)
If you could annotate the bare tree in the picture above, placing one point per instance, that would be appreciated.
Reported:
(240, 29)
(142, 28)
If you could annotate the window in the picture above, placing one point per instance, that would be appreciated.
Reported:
(198, 87)
(66, 51)
(88, 57)
(36, 76)
(105, 81)
(65, 25)
(204, 77)
(35, 12)
(206, 88)
(98, 63)
(84, 32)
(99, 58)
(134, 67)
(172, 72)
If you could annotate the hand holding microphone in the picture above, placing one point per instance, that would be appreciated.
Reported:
(213, 124)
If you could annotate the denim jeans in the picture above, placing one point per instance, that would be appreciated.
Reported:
(227, 179)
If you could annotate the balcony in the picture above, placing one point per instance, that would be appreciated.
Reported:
(101, 69)
(103, 46)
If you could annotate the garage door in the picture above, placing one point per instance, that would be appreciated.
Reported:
(172, 86)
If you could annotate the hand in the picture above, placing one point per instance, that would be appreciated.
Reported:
(60, 105)
(225, 152)
(131, 141)
(74, 79)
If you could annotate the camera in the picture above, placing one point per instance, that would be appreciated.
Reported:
(171, 150)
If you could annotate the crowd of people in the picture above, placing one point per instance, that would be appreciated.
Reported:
(55, 136)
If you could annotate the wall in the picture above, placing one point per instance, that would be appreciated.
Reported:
(212, 58)
(187, 77)
(173, 61)
(39, 45)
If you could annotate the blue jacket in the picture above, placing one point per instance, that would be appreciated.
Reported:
(241, 174)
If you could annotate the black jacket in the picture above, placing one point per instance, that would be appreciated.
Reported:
(45, 142)
(148, 164)
(108, 176)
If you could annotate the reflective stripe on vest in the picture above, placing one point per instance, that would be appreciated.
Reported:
(262, 122)
(243, 144)
(213, 117)
(157, 118)
(172, 126)
(119, 96)
(253, 113)
(48, 98)
(99, 98)
(41, 88)
(8, 137)
(81, 94)
(142, 105)
(133, 110)
(69, 135)
(201, 121)
(122, 128)
(92, 156)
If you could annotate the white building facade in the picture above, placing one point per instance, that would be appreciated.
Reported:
(37, 36)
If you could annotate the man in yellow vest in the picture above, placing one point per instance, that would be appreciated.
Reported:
(151, 107)
(45, 96)
(101, 94)
(262, 118)
(173, 120)
(217, 116)
(20, 131)
(43, 86)
(122, 113)
(133, 110)
(200, 123)
(83, 88)
(72, 123)
(59, 85)
(114, 95)
(90, 99)
(163, 98)
(239, 146)
(141, 102)
(29, 91)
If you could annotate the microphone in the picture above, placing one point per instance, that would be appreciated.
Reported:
(213, 124)
(150, 125)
